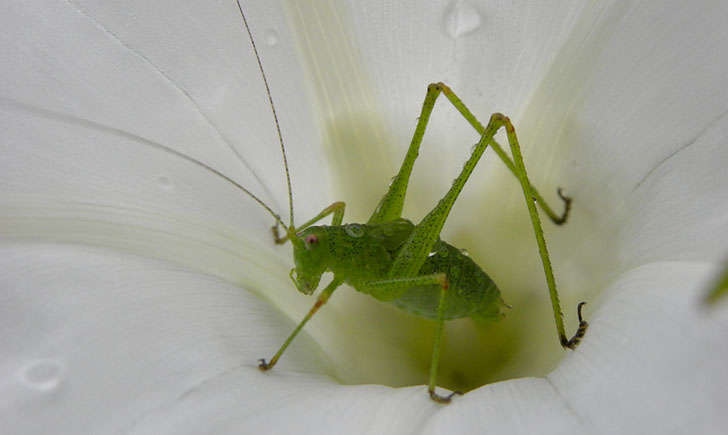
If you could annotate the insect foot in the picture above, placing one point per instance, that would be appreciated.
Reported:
(583, 325)
(277, 236)
(264, 366)
(567, 207)
(443, 399)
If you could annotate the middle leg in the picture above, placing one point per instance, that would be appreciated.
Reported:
(391, 288)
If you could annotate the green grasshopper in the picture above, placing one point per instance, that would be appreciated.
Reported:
(398, 262)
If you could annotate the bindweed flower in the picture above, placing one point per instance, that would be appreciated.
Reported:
(138, 290)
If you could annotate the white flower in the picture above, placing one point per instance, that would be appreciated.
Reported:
(138, 290)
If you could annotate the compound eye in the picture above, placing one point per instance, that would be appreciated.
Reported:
(311, 239)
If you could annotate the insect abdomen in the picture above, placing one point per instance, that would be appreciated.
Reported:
(471, 293)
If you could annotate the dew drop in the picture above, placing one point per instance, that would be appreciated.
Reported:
(165, 183)
(465, 252)
(432, 253)
(461, 18)
(42, 375)
(271, 37)
(354, 230)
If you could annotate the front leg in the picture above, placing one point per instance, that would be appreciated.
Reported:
(336, 208)
(323, 297)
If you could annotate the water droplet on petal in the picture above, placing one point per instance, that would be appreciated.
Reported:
(165, 183)
(354, 230)
(461, 18)
(42, 375)
(271, 37)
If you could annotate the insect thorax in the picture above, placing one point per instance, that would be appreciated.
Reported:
(362, 253)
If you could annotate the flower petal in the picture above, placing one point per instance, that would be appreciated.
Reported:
(640, 101)
(655, 358)
(95, 341)
(603, 108)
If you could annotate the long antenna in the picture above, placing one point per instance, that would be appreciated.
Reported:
(273, 109)
(70, 119)
(216, 172)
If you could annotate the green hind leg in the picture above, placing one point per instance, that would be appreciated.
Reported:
(473, 121)
(496, 121)
(390, 206)
(413, 253)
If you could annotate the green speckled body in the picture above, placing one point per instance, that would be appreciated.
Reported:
(365, 253)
